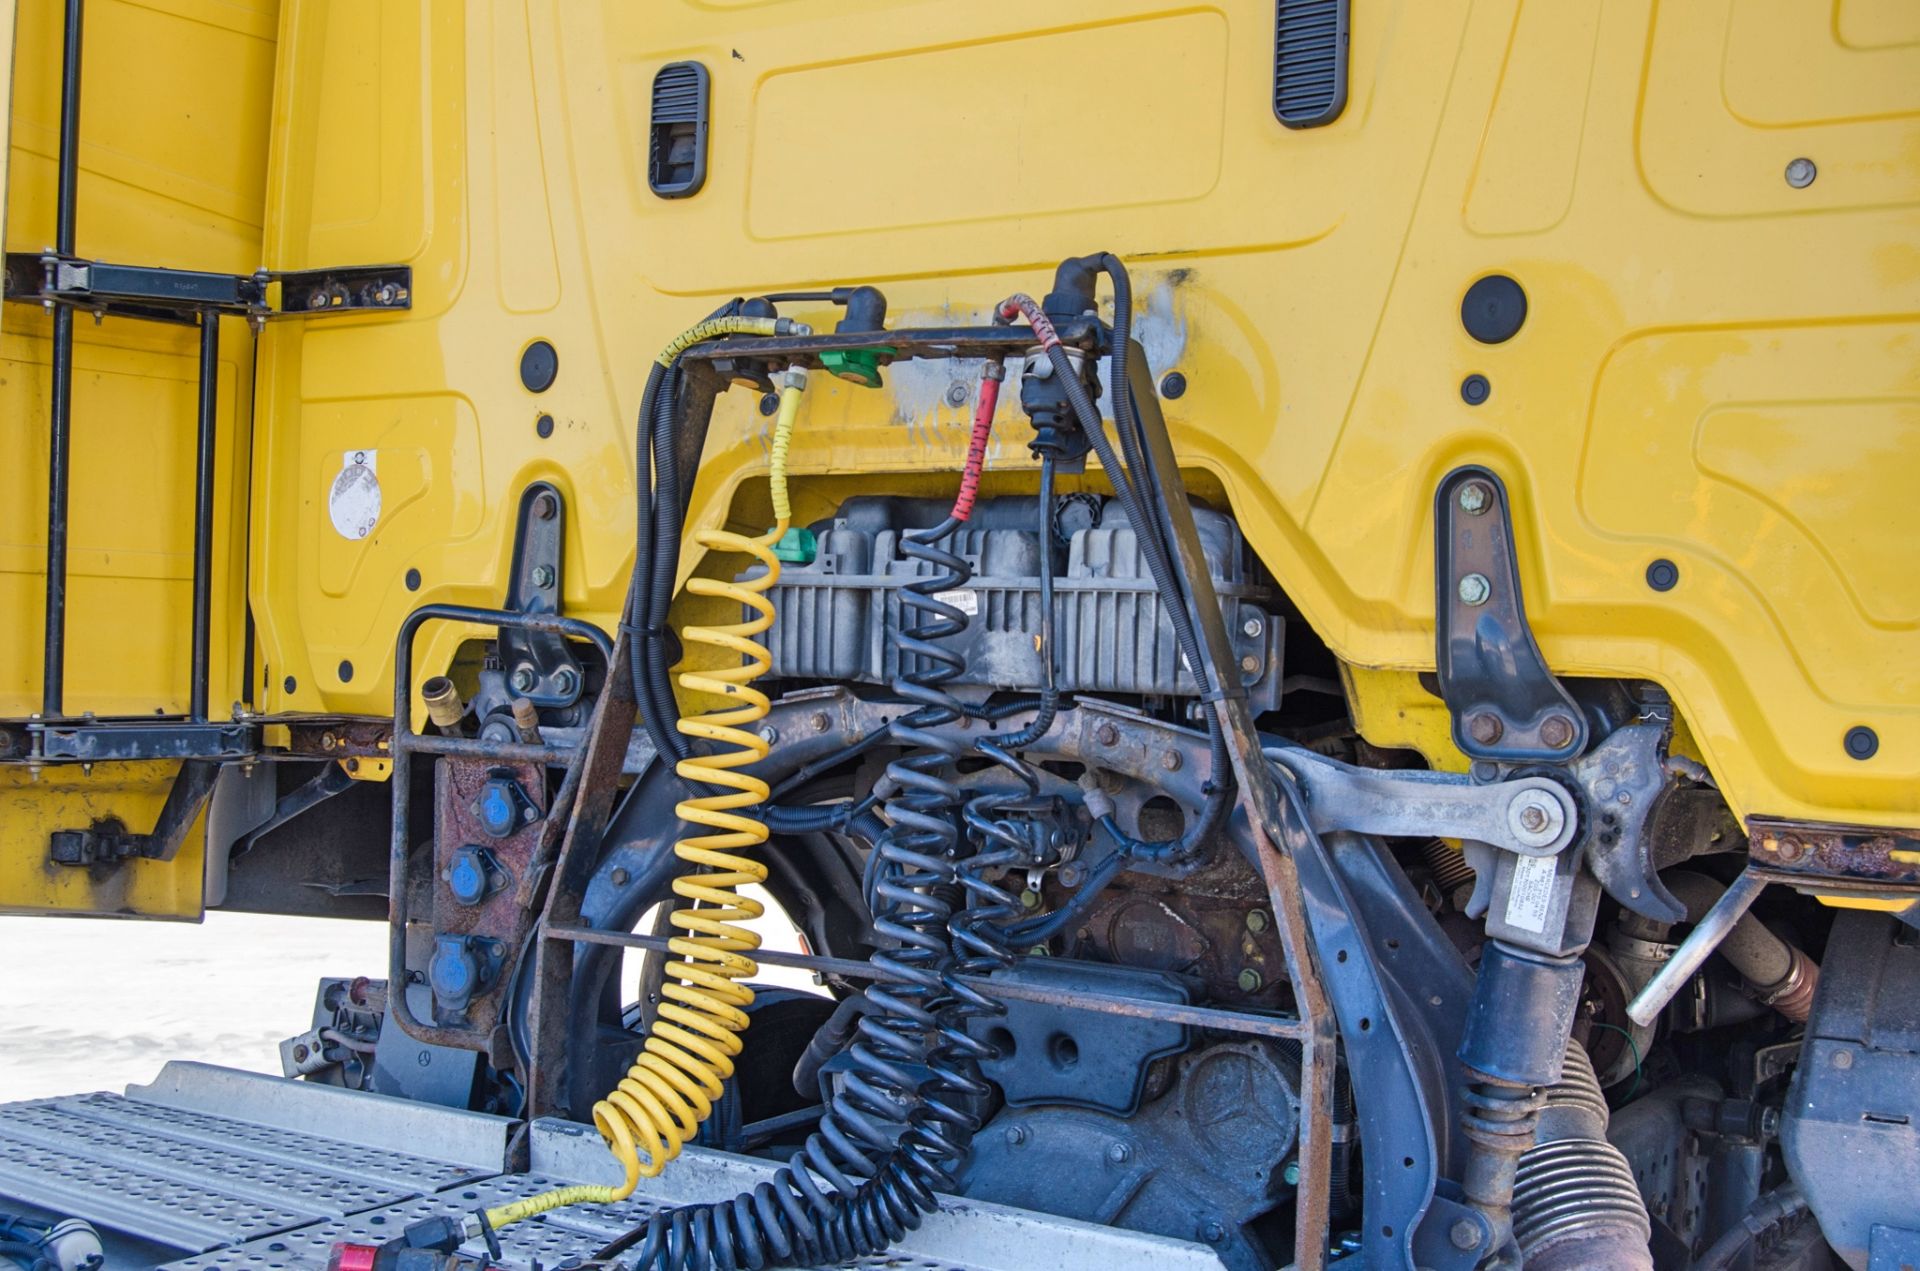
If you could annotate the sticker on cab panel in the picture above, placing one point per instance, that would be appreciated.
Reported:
(353, 502)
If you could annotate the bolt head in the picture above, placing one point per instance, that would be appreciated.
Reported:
(819, 721)
(1249, 664)
(1557, 731)
(1533, 818)
(620, 877)
(1843, 1059)
(1474, 589)
(1119, 1153)
(1250, 980)
(1465, 1234)
(1106, 734)
(545, 507)
(1016, 1135)
(1251, 626)
(1171, 761)
(524, 679)
(1256, 920)
(1485, 727)
(1212, 1232)
(543, 575)
(1801, 172)
(769, 734)
(1475, 498)
(956, 394)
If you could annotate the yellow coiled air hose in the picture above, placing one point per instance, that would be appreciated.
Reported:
(689, 1051)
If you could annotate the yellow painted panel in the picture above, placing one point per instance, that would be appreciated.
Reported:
(173, 162)
(1690, 322)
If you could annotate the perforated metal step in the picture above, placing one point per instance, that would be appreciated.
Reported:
(253, 1173)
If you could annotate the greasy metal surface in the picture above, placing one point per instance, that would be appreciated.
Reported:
(500, 917)
(338, 737)
(1506, 704)
(1844, 855)
(162, 1164)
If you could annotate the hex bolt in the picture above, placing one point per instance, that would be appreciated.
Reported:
(769, 734)
(1171, 761)
(1475, 498)
(1256, 920)
(1843, 1059)
(1557, 731)
(620, 877)
(1291, 1174)
(1250, 980)
(545, 507)
(956, 394)
(819, 721)
(1016, 1135)
(1801, 172)
(1485, 727)
(1029, 900)
(524, 680)
(1251, 626)
(543, 576)
(1212, 1231)
(565, 681)
(1465, 1234)
(1119, 1153)
(1249, 664)
(1533, 817)
(1107, 735)
(1474, 589)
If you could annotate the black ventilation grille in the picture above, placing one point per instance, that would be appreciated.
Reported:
(1309, 61)
(677, 140)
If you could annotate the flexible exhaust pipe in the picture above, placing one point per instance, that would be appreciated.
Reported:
(1576, 1206)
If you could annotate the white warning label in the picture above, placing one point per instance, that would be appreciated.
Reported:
(353, 501)
(1530, 894)
(967, 602)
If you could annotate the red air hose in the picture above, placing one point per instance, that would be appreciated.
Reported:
(983, 409)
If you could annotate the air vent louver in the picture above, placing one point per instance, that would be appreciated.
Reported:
(1309, 61)
(677, 139)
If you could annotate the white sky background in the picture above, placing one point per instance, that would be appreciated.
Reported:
(98, 1004)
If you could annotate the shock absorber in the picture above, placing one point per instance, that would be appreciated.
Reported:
(688, 1055)
(890, 1137)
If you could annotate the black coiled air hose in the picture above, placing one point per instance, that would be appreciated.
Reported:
(890, 1138)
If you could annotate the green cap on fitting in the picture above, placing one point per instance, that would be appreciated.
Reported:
(856, 366)
(796, 547)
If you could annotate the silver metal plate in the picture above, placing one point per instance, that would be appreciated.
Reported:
(282, 1170)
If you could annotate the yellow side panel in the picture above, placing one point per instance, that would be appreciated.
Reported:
(175, 98)
(1717, 367)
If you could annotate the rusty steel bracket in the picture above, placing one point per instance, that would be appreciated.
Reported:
(538, 664)
(1507, 706)
(1279, 832)
(1836, 857)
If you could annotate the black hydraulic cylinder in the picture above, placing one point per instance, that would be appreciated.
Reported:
(203, 475)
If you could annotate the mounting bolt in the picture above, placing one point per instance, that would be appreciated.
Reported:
(1249, 664)
(1212, 1231)
(1016, 1135)
(1474, 589)
(619, 877)
(769, 734)
(1119, 1153)
(1256, 920)
(1801, 172)
(1250, 980)
(1485, 727)
(543, 576)
(1170, 761)
(1107, 735)
(956, 394)
(1029, 900)
(1475, 497)
(1536, 817)
(524, 680)
(1843, 1059)
(545, 506)
(819, 721)
(1533, 818)
(566, 681)
(1557, 731)
(1251, 626)
(1291, 1174)
(1465, 1234)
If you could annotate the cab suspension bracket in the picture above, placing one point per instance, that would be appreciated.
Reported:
(1507, 706)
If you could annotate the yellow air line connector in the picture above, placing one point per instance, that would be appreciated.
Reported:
(689, 1051)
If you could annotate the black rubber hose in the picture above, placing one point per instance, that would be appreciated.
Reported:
(1770, 1211)
(1049, 705)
